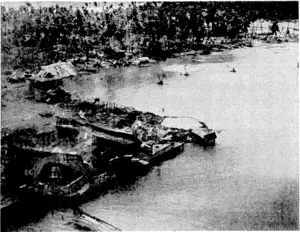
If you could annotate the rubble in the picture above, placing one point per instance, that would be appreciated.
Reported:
(47, 85)
(97, 140)
(54, 71)
(108, 138)
(114, 53)
(142, 61)
(19, 77)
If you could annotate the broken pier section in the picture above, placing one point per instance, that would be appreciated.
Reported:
(83, 152)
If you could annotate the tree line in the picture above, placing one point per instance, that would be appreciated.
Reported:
(32, 37)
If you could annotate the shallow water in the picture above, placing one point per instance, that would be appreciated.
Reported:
(248, 181)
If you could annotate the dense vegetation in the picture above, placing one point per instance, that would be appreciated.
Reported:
(32, 37)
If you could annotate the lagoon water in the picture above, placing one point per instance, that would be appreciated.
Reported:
(248, 181)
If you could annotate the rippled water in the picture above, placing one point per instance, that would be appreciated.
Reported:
(249, 180)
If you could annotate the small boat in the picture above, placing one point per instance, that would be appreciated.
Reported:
(160, 152)
(197, 60)
(120, 163)
(87, 222)
(198, 131)
(160, 80)
(147, 158)
(205, 137)
(142, 61)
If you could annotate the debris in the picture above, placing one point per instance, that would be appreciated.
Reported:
(81, 114)
(47, 84)
(142, 61)
(46, 114)
(190, 53)
(114, 53)
(90, 68)
(85, 147)
(205, 51)
(55, 71)
(197, 60)
(87, 222)
(17, 77)
(129, 55)
(7, 72)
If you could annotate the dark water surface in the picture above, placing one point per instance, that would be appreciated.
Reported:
(248, 181)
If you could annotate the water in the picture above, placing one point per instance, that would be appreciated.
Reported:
(248, 181)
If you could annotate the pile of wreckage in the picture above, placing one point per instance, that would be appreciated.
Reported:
(78, 155)
(46, 86)
(96, 143)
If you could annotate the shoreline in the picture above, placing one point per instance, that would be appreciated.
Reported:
(117, 120)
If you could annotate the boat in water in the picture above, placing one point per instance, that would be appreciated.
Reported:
(161, 152)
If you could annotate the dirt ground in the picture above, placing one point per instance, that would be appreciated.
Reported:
(19, 111)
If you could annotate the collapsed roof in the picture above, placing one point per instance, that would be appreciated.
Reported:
(55, 71)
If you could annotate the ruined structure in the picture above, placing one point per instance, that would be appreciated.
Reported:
(90, 147)
(98, 141)
(47, 85)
